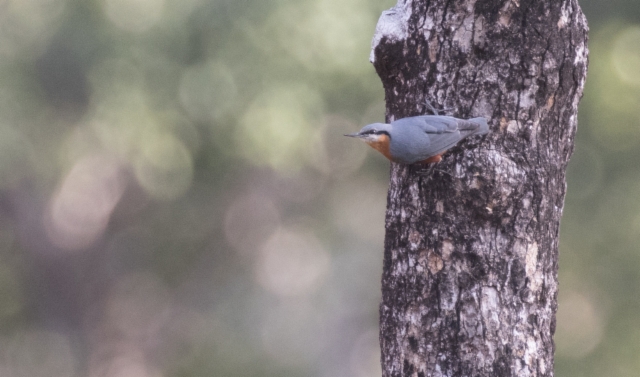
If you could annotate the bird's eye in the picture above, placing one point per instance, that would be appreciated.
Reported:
(373, 132)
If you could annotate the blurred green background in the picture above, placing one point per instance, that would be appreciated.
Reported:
(176, 198)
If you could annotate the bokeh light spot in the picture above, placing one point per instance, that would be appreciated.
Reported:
(81, 208)
(323, 34)
(609, 106)
(28, 24)
(276, 129)
(579, 325)
(134, 15)
(164, 167)
(292, 263)
(626, 55)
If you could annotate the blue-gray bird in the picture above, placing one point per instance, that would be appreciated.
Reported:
(419, 139)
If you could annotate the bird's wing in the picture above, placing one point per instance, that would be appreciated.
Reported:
(473, 126)
(429, 135)
(431, 124)
(441, 142)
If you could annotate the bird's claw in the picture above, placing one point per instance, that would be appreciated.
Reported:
(429, 170)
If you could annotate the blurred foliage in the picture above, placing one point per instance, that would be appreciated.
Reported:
(176, 198)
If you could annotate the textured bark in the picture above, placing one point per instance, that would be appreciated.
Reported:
(469, 284)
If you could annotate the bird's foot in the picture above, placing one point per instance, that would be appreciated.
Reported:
(429, 171)
(426, 172)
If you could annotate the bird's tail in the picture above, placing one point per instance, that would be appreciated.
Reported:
(483, 126)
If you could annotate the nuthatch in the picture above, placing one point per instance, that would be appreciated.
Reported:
(420, 139)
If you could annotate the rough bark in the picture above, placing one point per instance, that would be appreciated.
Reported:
(469, 284)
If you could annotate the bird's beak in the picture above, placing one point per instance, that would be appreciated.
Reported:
(353, 135)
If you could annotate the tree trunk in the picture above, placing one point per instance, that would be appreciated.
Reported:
(469, 283)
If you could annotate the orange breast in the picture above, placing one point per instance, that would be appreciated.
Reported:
(381, 145)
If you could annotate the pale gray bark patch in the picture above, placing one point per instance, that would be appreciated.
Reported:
(392, 26)
(469, 284)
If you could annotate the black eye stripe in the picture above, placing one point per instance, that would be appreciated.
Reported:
(375, 132)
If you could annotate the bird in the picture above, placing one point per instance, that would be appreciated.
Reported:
(420, 139)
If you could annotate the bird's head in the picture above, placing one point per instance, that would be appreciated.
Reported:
(377, 135)
(373, 133)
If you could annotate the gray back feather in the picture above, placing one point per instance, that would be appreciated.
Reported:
(415, 139)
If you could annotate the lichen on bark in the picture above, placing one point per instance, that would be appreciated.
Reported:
(469, 281)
